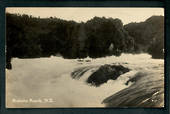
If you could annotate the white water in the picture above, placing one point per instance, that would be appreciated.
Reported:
(49, 78)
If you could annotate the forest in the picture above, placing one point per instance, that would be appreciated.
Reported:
(34, 37)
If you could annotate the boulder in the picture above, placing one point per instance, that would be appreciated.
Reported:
(105, 73)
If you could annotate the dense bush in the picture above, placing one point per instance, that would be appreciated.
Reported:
(30, 37)
(148, 36)
(102, 32)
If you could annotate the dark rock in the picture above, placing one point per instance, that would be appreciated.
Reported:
(88, 60)
(105, 73)
(80, 60)
(9, 65)
(8, 62)
(137, 77)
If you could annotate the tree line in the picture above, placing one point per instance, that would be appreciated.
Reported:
(32, 37)
(148, 36)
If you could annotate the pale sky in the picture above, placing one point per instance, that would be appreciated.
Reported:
(79, 14)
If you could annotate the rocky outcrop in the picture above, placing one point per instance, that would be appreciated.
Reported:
(105, 73)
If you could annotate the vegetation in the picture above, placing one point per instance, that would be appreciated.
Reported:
(31, 37)
(148, 36)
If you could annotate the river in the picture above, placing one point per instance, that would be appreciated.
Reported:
(47, 83)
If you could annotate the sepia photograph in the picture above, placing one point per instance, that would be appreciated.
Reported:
(84, 57)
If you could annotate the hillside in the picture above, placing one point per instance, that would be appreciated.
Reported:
(148, 36)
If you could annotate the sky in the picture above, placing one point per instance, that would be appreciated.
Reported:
(83, 14)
